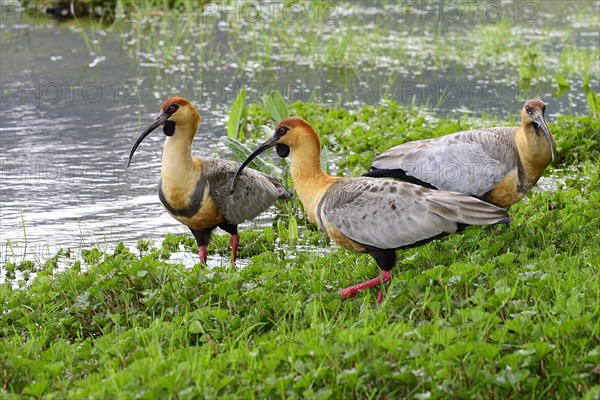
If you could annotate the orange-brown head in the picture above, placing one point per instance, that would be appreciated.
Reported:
(185, 112)
(295, 137)
(174, 112)
(533, 115)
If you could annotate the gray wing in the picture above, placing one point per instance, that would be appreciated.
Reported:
(254, 191)
(390, 214)
(470, 162)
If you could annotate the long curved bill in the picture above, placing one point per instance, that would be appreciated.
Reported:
(158, 121)
(272, 141)
(538, 118)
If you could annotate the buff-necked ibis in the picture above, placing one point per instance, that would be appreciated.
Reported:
(370, 215)
(498, 165)
(196, 190)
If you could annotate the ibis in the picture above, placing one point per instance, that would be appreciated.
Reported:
(196, 190)
(371, 215)
(498, 165)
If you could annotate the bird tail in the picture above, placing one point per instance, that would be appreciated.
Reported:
(278, 184)
(468, 210)
(285, 195)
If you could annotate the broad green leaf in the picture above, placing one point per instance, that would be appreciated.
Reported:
(541, 348)
(507, 258)
(241, 152)
(276, 106)
(280, 105)
(235, 116)
(487, 350)
(592, 97)
(37, 388)
(195, 327)
(293, 230)
(586, 83)
(270, 107)
(593, 102)
(281, 230)
(562, 86)
(456, 350)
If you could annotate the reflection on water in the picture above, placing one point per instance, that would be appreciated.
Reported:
(70, 111)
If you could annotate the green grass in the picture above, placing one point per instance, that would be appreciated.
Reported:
(500, 312)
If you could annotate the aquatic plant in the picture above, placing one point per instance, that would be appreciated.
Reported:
(237, 116)
(276, 106)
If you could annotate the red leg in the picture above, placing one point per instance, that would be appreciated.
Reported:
(353, 290)
(203, 254)
(234, 242)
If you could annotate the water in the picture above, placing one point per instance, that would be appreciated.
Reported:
(70, 113)
(65, 134)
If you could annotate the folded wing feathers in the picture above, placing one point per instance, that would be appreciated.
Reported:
(254, 191)
(467, 210)
(389, 214)
(471, 162)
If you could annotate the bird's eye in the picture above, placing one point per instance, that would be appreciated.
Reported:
(282, 130)
(528, 109)
(172, 108)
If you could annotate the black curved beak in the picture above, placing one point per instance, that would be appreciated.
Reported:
(272, 141)
(540, 122)
(160, 119)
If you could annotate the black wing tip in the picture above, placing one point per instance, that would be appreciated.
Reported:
(285, 195)
(377, 173)
(505, 220)
(398, 174)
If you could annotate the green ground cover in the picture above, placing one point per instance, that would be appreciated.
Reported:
(499, 312)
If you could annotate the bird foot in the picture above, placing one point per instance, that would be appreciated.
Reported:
(351, 291)
(234, 242)
(203, 254)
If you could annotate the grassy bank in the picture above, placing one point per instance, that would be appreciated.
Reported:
(500, 312)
